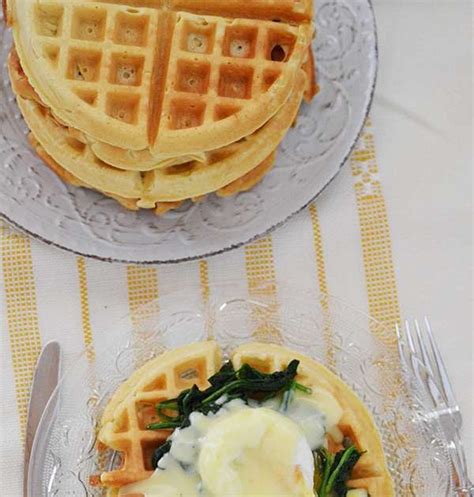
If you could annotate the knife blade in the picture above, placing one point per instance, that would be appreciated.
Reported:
(45, 380)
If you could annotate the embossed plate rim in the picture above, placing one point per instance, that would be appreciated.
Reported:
(259, 234)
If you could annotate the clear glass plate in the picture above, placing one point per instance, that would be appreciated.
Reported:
(360, 350)
(33, 199)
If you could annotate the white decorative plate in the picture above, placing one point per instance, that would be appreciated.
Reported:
(361, 351)
(33, 199)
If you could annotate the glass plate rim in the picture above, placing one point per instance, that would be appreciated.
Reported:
(48, 418)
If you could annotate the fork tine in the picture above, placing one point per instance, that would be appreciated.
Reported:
(406, 353)
(415, 361)
(428, 363)
(441, 371)
(408, 333)
(425, 356)
(401, 346)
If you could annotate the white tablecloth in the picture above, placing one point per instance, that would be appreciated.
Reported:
(392, 235)
(422, 114)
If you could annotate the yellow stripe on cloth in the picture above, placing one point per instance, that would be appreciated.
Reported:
(322, 283)
(85, 311)
(142, 293)
(318, 248)
(204, 281)
(379, 270)
(261, 280)
(375, 233)
(21, 316)
(205, 294)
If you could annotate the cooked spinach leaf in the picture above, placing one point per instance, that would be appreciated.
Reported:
(344, 463)
(335, 470)
(160, 452)
(228, 383)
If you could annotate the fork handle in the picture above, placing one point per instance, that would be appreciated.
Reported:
(464, 486)
(465, 492)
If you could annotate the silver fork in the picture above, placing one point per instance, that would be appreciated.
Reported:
(422, 359)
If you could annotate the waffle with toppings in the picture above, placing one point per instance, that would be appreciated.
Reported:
(132, 411)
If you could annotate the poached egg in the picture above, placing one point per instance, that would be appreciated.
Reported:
(256, 450)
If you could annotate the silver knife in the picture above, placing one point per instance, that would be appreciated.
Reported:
(45, 380)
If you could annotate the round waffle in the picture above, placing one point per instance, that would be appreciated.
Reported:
(170, 184)
(142, 74)
(131, 409)
(242, 184)
(139, 160)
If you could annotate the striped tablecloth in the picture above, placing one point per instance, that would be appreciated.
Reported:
(343, 244)
(48, 294)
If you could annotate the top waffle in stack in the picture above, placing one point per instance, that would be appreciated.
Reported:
(148, 84)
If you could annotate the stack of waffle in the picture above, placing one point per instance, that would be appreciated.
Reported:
(153, 102)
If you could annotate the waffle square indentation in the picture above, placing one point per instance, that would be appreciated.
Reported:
(193, 77)
(146, 414)
(88, 23)
(148, 449)
(194, 372)
(158, 383)
(186, 113)
(83, 64)
(240, 41)
(49, 19)
(126, 70)
(223, 111)
(198, 37)
(51, 52)
(123, 107)
(131, 28)
(235, 81)
(88, 96)
(269, 77)
(279, 45)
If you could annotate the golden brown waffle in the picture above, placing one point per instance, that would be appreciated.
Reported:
(249, 180)
(245, 183)
(183, 76)
(144, 160)
(140, 77)
(132, 408)
(227, 78)
(371, 471)
(117, 157)
(20, 84)
(292, 11)
(129, 159)
(67, 177)
(223, 166)
(163, 185)
(139, 160)
(22, 87)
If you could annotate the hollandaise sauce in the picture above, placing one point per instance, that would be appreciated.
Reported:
(246, 449)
